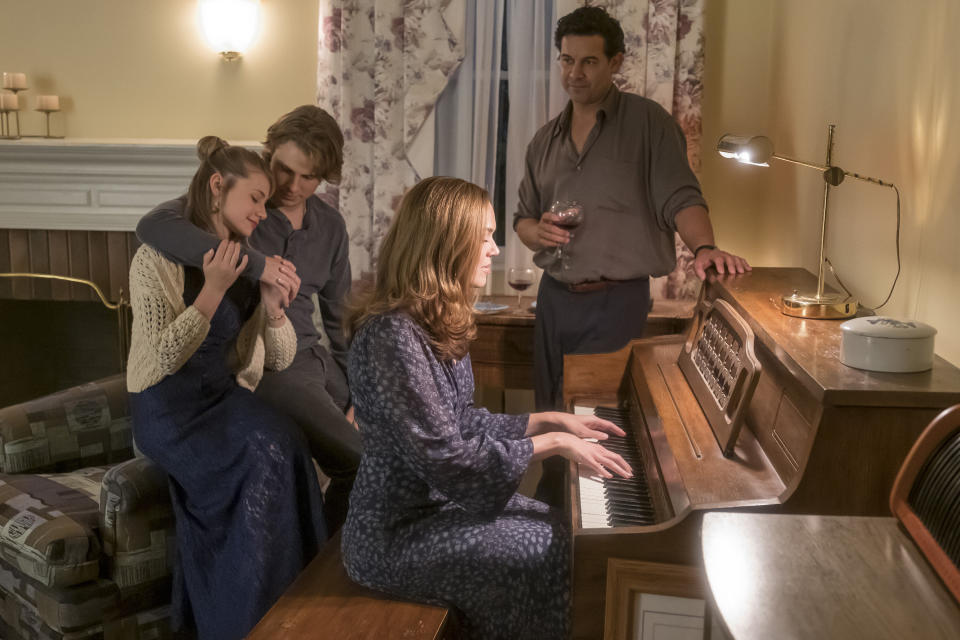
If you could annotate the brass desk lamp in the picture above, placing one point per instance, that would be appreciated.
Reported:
(758, 150)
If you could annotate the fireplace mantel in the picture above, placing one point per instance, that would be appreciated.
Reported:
(97, 185)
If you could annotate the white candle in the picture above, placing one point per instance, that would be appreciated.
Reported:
(9, 102)
(48, 103)
(14, 80)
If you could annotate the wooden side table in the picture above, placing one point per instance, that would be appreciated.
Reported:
(502, 354)
(796, 577)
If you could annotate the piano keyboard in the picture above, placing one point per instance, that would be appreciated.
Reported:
(615, 502)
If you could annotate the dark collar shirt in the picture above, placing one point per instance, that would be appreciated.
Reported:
(319, 250)
(631, 178)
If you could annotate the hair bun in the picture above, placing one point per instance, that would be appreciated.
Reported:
(209, 145)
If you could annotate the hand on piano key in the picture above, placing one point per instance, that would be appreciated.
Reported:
(595, 459)
(582, 426)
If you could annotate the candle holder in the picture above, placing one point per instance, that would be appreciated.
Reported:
(14, 83)
(47, 105)
(47, 113)
(6, 106)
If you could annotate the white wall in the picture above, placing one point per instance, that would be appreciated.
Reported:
(885, 73)
(141, 68)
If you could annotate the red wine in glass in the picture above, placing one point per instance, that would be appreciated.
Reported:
(569, 216)
(520, 279)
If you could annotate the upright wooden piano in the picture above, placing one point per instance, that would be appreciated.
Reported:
(750, 410)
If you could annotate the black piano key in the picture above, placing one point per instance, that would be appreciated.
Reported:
(627, 521)
(629, 510)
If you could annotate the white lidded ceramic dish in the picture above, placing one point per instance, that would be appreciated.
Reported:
(879, 343)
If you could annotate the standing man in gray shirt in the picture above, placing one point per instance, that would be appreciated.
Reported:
(302, 245)
(623, 158)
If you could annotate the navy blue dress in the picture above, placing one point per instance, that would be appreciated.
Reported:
(434, 514)
(248, 508)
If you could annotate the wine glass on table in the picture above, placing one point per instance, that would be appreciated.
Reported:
(569, 214)
(520, 279)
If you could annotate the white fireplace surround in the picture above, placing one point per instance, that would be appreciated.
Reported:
(95, 185)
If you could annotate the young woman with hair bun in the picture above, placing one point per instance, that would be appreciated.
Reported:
(434, 514)
(248, 508)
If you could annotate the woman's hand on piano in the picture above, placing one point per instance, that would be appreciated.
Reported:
(598, 460)
(580, 426)
(589, 426)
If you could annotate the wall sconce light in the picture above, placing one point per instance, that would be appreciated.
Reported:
(229, 25)
(758, 151)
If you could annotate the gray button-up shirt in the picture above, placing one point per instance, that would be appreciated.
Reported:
(631, 178)
(319, 250)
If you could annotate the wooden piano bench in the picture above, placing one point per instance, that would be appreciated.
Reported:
(323, 602)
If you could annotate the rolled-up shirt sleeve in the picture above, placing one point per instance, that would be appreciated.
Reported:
(673, 185)
(528, 203)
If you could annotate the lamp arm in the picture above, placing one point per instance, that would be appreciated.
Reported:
(834, 175)
(800, 162)
(877, 181)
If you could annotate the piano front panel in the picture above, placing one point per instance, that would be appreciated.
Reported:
(783, 416)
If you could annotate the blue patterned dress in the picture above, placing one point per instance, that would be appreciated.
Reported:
(434, 514)
(248, 508)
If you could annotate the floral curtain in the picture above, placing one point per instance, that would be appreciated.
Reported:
(664, 62)
(383, 63)
(381, 66)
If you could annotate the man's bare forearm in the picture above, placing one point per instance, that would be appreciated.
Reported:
(693, 225)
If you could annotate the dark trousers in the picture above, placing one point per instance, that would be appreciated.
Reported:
(313, 392)
(567, 322)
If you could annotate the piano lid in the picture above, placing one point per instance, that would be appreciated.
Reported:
(810, 349)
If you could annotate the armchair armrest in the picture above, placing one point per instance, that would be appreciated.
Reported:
(136, 523)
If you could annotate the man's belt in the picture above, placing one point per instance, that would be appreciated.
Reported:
(596, 285)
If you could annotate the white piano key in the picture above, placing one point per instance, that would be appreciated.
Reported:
(593, 508)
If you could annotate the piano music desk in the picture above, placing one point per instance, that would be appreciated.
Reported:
(502, 354)
(799, 577)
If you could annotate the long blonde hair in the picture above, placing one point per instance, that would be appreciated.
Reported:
(427, 263)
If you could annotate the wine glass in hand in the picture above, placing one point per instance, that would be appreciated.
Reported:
(520, 279)
(569, 214)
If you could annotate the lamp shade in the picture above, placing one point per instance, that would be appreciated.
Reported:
(230, 25)
(755, 150)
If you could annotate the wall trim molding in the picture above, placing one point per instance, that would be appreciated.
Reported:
(88, 184)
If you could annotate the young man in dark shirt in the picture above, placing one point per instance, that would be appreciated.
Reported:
(302, 246)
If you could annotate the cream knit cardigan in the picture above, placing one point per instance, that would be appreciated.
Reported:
(166, 332)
